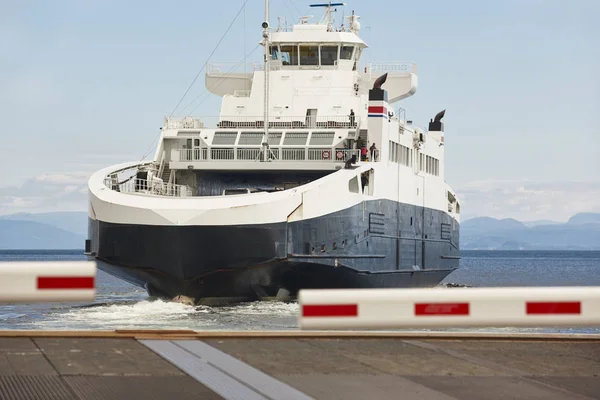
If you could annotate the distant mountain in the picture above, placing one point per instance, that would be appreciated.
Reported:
(584, 218)
(75, 221)
(487, 224)
(540, 222)
(25, 235)
(581, 232)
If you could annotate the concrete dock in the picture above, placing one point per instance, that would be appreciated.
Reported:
(296, 365)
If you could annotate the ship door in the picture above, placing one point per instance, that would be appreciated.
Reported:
(196, 149)
(311, 118)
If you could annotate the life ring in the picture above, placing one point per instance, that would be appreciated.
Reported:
(326, 154)
(340, 155)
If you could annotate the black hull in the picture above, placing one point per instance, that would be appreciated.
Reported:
(378, 244)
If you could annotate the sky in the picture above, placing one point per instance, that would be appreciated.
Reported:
(85, 84)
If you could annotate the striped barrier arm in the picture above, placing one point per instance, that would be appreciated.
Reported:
(448, 308)
(47, 281)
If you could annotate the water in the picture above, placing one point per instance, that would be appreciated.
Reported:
(119, 305)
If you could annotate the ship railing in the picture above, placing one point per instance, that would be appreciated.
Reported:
(278, 153)
(241, 93)
(290, 122)
(257, 122)
(143, 186)
(401, 67)
(183, 123)
(229, 68)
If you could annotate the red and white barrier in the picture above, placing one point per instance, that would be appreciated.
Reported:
(448, 307)
(47, 281)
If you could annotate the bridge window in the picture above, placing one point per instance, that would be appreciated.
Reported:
(274, 138)
(309, 55)
(289, 55)
(329, 55)
(250, 138)
(221, 138)
(274, 52)
(346, 52)
(295, 138)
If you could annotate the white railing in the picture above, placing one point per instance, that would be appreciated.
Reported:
(256, 122)
(188, 154)
(142, 186)
(229, 68)
(182, 123)
(248, 154)
(327, 154)
(241, 93)
(290, 122)
(405, 67)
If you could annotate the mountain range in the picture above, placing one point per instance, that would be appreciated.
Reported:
(47, 231)
(68, 230)
(580, 232)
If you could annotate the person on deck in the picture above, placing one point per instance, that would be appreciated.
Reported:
(373, 149)
(363, 153)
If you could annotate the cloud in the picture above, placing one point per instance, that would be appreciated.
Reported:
(528, 200)
(45, 193)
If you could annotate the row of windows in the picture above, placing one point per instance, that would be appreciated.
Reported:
(404, 155)
(400, 154)
(311, 54)
(429, 164)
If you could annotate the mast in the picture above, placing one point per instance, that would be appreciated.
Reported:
(265, 26)
(327, 18)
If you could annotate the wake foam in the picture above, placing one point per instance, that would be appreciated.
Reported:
(159, 314)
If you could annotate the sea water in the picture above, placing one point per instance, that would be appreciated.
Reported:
(119, 305)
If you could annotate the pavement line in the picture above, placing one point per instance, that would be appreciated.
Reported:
(222, 384)
(225, 375)
(263, 383)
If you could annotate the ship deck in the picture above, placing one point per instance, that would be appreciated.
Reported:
(297, 365)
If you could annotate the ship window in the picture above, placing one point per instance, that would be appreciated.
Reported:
(329, 55)
(250, 138)
(321, 138)
(346, 52)
(353, 185)
(221, 138)
(309, 55)
(289, 55)
(274, 52)
(274, 138)
(295, 138)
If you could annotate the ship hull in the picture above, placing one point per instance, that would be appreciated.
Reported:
(374, 244)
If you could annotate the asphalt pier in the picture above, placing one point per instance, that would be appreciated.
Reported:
(295, 365)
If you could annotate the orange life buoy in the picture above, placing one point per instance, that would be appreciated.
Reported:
(326, 154)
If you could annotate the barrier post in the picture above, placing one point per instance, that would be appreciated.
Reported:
(449, 308)
(47, 281)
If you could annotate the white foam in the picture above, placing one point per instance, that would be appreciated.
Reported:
(160, 314)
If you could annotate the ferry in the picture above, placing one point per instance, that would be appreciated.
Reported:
(310, 177)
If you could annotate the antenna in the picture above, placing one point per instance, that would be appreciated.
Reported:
(265, 26)
(327, 18)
